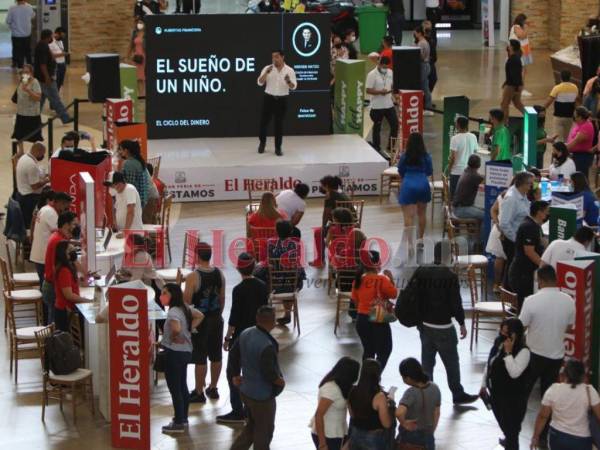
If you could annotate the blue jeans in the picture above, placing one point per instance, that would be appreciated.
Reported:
(176, 376)
(583, 161)
(61, 71)
(425, 70)
(472, 212)
(368, 440)
(453, 183)
(563, 441)
(332, 443)
(417, 437)
(48, 297)
(234, 392)
(591, 103)
(444, 342)
(51, 93)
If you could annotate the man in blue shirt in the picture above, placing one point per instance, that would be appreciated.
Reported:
(19, 19)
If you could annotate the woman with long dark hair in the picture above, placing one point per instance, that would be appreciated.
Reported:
(415, 167)
(519, 31)
(562, 164)
(66, 285)
(419, 409)
(134, 168)
(370, 285)
(590, 208)
(329, 425)
(568, 402)
(177, 342)
(504, 380)
(370, 418)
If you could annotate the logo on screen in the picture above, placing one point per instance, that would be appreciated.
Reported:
(180, 177)
(306, 39)
(158, 30)
(344, 171)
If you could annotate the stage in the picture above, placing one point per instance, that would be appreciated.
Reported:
(215, 169)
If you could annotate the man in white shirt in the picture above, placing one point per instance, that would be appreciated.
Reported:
(31, 178)
(566, 250)
(379, 85)
(46, 221)
(128, 205)
(462, 145)
(57, 47)
(548, 315)
(279, 79)
(293, 203)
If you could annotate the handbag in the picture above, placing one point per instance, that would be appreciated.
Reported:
(160, 361)
(382, 310)
(594, 424)
(138, 59)
(14, 97)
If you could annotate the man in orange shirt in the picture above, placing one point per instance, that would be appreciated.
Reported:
(387, 43)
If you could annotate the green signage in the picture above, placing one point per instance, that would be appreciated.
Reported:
(453, 107)
(530, 126)
(563, 221)
(349, 96)
(129, 88)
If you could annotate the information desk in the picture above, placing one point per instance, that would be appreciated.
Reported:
(97, 354)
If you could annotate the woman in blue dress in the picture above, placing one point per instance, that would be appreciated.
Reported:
(415, 168)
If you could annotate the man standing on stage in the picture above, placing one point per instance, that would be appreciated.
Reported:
(379, 87)
(278, 79)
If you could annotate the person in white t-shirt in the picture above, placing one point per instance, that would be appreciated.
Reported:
(128, 205)
(31, 179)
(562, 163)
(57, 47)
(462, 145)
(293, 203)
(379, 86)
(548, 315)
(46, 221)
(566, 250)
(568, 402)
(329, 425)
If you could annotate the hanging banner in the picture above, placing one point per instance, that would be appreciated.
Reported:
(117, 110)
(410, 116)
(129, 89)
(563, 221)
(453, 107)
(576, 278)
(129, 366)
(498, 176)
(349, 96)
(487, 23)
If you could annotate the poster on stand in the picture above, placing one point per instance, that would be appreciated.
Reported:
(117, 110)
(410, 114)
(563, 221)
(498, 176)
(570, 198)
(349, 96)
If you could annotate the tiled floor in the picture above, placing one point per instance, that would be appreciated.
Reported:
(475, 72)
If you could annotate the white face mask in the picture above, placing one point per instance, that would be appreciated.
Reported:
(25, 77)
(353, 38)
(112, 192)
(140, 26)
(383, 70)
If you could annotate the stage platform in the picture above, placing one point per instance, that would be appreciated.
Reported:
(223, 168)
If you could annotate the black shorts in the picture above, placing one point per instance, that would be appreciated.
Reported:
(207, 342)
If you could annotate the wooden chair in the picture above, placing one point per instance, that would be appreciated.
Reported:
(488, 313)
(343, 291)
(56, 386)
(22, 298)
(23, 279)
(75, 330)
(356, 206)
(155, 163)
(190, 240)
(283, 286)
(470, 228)
(390, 179)
(165, 221)
(437, 193)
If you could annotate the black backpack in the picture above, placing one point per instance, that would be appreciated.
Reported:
(62, 356)
(407, 308)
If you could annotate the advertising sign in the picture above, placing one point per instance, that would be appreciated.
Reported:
(497, 178)
(349, 96)
(410, 116)
(570, 198)
(576, 278)
(209, 89)
(487, 23)
(530, 126)
(563, 221)
(453, 107)
(118, 110)
(129, 366)
(129, 88)
(85, 197)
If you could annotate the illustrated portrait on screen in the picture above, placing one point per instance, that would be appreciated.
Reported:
(306, 39)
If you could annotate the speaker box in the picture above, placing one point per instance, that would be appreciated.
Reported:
(407, 68)
(105, 79)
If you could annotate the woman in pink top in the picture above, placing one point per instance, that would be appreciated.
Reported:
(137, 54)
(581, 140)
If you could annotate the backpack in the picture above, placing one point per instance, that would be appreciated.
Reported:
(62, 356)
(407, 308)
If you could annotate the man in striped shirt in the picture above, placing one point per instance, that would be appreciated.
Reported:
(564, 95)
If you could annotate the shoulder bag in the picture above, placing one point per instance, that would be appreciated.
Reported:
(382, 310)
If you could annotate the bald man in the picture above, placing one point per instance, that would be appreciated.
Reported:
(31, 179)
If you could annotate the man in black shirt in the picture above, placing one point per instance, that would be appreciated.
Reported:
(513, 86)
(529, 247)
(44, 69)
(396, 19)
(440, 301)
(466, 191)
(249, 295)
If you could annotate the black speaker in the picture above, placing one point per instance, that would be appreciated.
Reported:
(105, 78)
(407, 68)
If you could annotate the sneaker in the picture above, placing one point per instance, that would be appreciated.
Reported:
(465, 399)
(526, 93)
(68, 120)
(427, 113)
(261, 148)
(212, 393)
(284, 320)
(232, 417)
(173, 428)
(185, 423)
(196, 397)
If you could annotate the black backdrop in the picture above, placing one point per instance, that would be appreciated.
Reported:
(230, 50)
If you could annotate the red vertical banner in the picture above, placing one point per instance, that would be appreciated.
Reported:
(410, 115)
(576, 278)
(118, 110)
(129, 366)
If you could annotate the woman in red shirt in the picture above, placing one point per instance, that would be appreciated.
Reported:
(267, 213)
(369, 284)
(66, 286)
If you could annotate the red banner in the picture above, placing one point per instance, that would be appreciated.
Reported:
(576, 278)
(410, 115)
(129, 366)
(118, 110)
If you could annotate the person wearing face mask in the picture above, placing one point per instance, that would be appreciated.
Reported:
(57, 47)
(66, 228)
(128, 205)
(349, 39)
(28, 119)
(529, 247)
(379, 85)
(562, 164)
(30, 180)
(338, 51)
(137, 55)
(66, 285)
